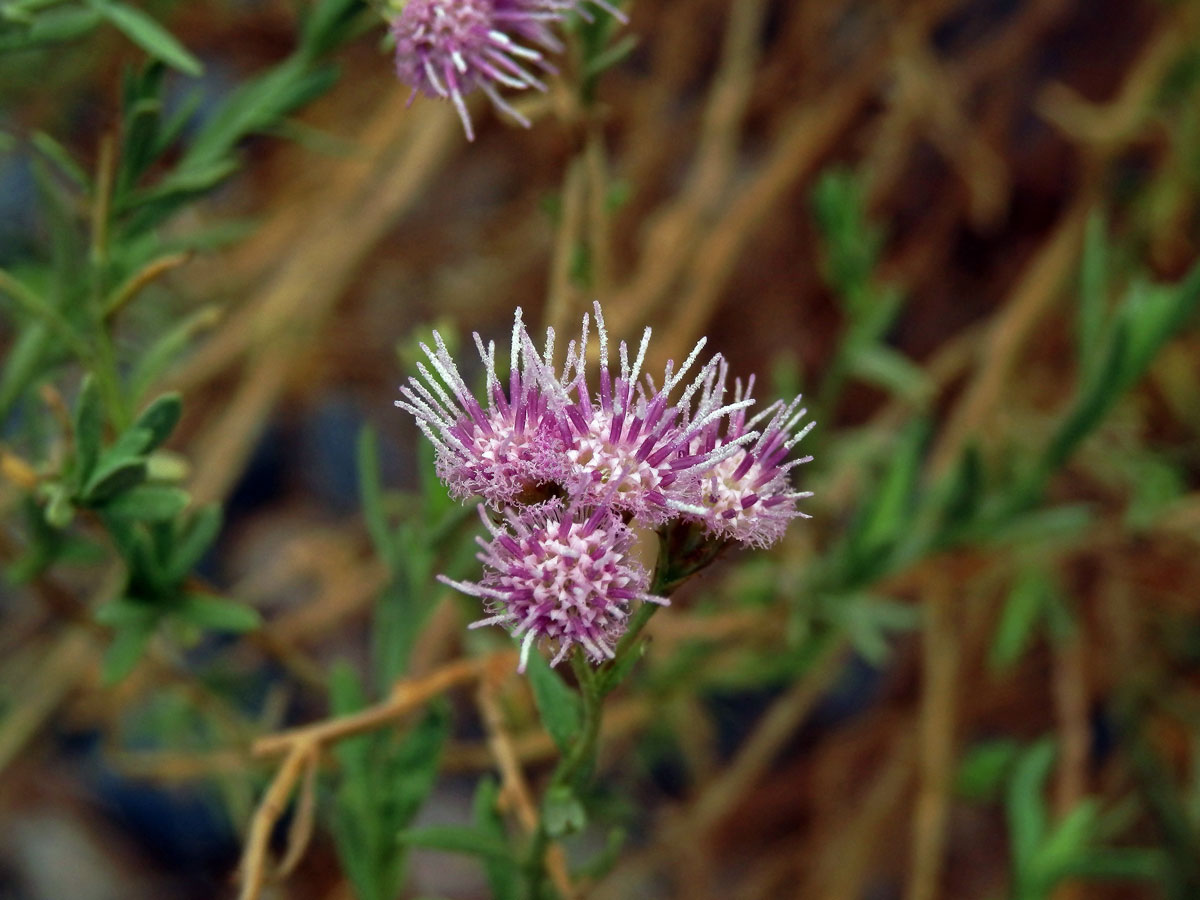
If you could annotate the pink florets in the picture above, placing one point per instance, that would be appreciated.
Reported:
(747, 497)
(449, 48)
(631, 440)
(560, 575)
(562, 570)
(502, 452)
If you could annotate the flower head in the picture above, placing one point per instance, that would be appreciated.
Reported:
(747, 496)
(560, 574)
(448, 48)
(502, 452)
(630, 440)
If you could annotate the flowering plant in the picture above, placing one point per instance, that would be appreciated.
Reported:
(564, 571)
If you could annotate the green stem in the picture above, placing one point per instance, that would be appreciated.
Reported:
(594, 686)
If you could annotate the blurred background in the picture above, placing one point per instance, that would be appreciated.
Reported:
(963, 228)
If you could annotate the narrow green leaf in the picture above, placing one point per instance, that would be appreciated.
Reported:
(127, 648)
(984, 768)
(112, 478)
(147, 503)
(194, 541)
(1068, 840)
(51, 27)
(61, 157)
(168, 349)
(557, 704)
(218, 613)
(124, 612)
(1026, 807)
(1025, 606)
(89, 430)
(456, 839)
(881, 365)
(159, 420)
(149, 35)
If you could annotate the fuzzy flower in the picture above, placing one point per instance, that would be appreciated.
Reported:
(559, 575)
(503, 452)
(448, 48)
(747, 497)
(630, 441)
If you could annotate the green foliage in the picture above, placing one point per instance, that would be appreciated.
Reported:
(557, 704)
(1045, 853)
(381, 784)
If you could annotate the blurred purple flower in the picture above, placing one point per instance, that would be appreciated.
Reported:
(561, 575)
(448, 48)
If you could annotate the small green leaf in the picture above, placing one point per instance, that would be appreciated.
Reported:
(218, 613)
(148, 503)
(159, 420)
(168, 349)
(1025, 606)
(113, 478)
(890, 370)
(149, 35)
(558, 705)
(128, 646)
(60, 512)
(457, 839)
(984, 769)
(61, 157)
(1025, 806)
(124, 612)
(562, 812)
(194, 541)
(89, 429)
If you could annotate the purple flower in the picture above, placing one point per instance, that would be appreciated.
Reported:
(560, 575)
(747, 497)
(448, 48)
(630, 441)
(504, 452)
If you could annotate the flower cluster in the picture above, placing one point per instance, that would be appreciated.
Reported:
(568, 467)
(449, 48)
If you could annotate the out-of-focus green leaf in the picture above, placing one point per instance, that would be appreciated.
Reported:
(1027, 817)
(149, 35)
(984, 769)
(1025, 606)
(218, 613)
(193, 541)
(883, 366)
(127, 648)
(159, 420)
(113, 478)
(89, 430)
(53, 26)
(147, 502)
(456, 839)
